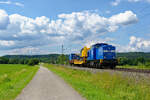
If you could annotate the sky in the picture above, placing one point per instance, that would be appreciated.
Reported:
(32, 27)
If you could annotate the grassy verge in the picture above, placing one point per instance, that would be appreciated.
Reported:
(103, 85)
(13, 78)
(136, 67)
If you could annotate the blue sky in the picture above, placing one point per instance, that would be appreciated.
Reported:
(42, 26)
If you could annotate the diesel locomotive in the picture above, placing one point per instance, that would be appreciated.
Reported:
(100, 55)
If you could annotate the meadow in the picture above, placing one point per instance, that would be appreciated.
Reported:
(134, 66)
(104, 85)
(13, 78)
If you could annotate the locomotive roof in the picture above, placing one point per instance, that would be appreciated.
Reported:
(100, 44)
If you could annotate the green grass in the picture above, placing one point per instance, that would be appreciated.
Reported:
(136, 67)
(13, 78)
(104, 85)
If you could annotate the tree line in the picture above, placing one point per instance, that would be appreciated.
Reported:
(35, 59)
(130, 58)
(134, 61)
(28, 61)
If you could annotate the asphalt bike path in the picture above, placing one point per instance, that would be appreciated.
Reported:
(47, 86)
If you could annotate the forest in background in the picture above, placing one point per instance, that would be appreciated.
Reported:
(129, 58)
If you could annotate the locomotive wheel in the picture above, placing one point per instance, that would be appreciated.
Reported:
(113, 67)
(96, 65)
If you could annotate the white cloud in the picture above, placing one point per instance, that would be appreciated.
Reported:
(84, 23)
(134, 0)
(115, 3)
(26, 25)
(4, 19)
(69, 28)
(12, 3)
(139, 43)
(126, 18)
(29, 51)
(24, 51)
(139, 1)
(108, 12)
(135, 44)
(5, 2)
(19, 4)
(6, 43)
(89, 43)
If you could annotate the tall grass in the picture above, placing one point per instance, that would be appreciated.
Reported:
(104, 85)
(140, 66)
(13, 78)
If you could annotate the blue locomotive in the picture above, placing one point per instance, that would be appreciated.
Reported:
(100, 55)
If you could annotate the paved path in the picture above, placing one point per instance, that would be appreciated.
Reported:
(47, 86)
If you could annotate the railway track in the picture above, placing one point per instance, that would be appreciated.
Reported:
(133, 70)
(116, 69)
